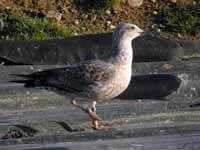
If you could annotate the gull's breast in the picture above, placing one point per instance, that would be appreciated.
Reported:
(116, 85)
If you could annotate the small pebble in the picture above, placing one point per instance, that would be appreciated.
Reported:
(85, 16)
(173, 1)
(83, 28)
(123, 1)
(179, 35)
(153, 1)
(158, 30)
(161, 26)
(8, 8)
(112, 26)
(155, 12)
(108, 12)
(167, 67)
(75, 33)
(153, 26)
(54, 15)
(76, 22)
(108, 22)
(135, 3)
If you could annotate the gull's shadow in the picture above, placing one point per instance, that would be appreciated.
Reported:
(67, 127)
(18, 131)
(152, 86)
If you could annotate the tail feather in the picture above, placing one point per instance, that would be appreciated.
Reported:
(22, 75)
(32, 75)
(27, 83)
(31, 80)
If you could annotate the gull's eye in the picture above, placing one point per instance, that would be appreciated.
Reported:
(132, 28)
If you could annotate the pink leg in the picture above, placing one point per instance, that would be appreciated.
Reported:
(91, 112)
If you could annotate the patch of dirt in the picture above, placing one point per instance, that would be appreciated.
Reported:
(83, 21)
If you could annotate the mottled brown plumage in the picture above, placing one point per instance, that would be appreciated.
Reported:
(94, 79)
(79, 81)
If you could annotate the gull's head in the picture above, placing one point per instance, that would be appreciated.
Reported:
(127, 31)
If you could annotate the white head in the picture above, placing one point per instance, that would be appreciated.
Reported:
(122, 41)
(126, 31)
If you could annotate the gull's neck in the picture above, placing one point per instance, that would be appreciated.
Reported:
(122, 50)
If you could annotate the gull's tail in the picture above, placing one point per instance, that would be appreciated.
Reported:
(36, 79)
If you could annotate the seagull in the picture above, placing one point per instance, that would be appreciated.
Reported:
(93, 80)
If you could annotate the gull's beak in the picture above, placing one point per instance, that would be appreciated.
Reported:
(143, 33)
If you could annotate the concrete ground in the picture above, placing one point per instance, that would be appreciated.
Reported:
(159, 110)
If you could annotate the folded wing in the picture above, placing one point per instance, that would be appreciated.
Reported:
(74, 78)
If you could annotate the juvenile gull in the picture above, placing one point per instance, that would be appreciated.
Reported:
(94, 80)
